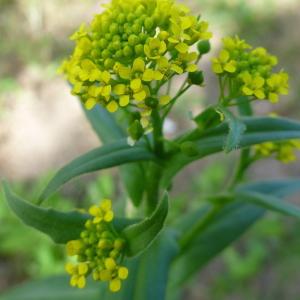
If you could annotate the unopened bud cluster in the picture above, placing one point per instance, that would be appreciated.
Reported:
(99, 251)
(130, 50)
(249, 72)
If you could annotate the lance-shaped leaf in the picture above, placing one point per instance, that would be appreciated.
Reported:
(228, 225)
(61, 227)
(104, 157)
(258, 130)
(140, 235)
(269, 202)
(280, 188)
(236, 129)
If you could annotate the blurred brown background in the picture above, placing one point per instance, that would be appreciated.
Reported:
(42, 127)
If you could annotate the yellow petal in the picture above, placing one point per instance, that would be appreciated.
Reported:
(182, 48)
(224, 56)
(94, 210)
(247, 91)
(124, 100)
(105, 275)
(148, 75)
(192, 68)
(112, 106)
(259, 94)
(140, 96)
(82, 268)
(120, 89)
(176, 69)
(108, 217)
(138, 65)
(125, 73)
(123, 273)
(158, 75)
(217, 68)
(115, 285)
(106, 90)
(136, 84)
(105, 76)
(110, 264)
(70, 268)
(90, 103)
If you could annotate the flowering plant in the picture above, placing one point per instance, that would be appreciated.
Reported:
(122, 70)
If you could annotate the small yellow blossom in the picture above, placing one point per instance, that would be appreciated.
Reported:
(253, 85)
(99, 251)
(224, 63)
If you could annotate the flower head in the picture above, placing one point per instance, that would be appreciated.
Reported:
(99, 250)
(249, 71)
(130, 48)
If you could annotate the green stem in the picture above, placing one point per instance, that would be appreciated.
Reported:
(199, 227)
(171, 104)
(241, 168)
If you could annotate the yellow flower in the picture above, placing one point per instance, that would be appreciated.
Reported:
(100, 250)
(155, 48)
(278, 84)
(223, 63)
(128, 49)
(253, 85)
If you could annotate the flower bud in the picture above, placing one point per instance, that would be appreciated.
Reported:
(196, 78)
(203, 47)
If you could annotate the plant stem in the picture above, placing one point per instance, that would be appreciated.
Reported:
(171, 104)
(199, 227)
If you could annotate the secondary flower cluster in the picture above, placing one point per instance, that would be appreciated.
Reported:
(99, 250)
(129, 51)
(249, 71)
(283, 151)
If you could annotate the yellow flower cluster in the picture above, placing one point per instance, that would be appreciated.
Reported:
(99, 250)
(250, 71)
(284, 151)
(129, 51)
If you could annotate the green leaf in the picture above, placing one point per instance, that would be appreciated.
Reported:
(104, 124)
(108, 131)
(226, 227)
(142, 234)
(61, 227)
(270, 203)
(236, 129)
(107, 156)
(280, 188)
(55, 288)
(258, 130)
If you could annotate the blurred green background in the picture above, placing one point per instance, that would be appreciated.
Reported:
(42, 127)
